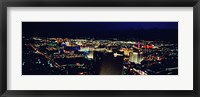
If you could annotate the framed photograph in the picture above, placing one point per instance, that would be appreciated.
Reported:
(78, 48)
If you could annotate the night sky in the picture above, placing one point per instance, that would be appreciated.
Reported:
(120, 30)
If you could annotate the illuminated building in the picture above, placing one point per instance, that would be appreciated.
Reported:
(127, 52)
(138, 44)
(82, 49)
(90, 55)
(63, 44)
(149, 46)
(135, 57)
(67, 43)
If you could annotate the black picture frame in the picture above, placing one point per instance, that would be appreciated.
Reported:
(98, 3)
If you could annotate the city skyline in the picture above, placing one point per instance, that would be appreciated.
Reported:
(99, 48)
